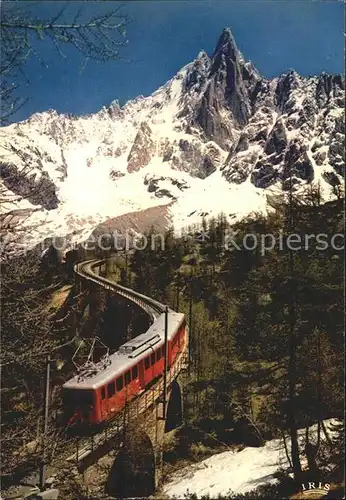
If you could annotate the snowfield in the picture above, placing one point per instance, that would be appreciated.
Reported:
(233, 472)
(229, 472)
(195, 144)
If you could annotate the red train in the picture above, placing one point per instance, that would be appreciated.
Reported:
(93, 398)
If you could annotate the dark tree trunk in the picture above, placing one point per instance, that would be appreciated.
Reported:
(292, 368)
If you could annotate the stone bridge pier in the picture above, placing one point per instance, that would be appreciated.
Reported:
(129, 451)
(137, 468)
(134, 457)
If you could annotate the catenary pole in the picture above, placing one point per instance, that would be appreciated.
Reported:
(45, 427)
(165, 364)
(190, 326)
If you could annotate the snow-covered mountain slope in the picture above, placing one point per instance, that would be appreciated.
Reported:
(217, 136)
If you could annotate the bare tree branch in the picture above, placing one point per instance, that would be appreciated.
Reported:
(99, 38)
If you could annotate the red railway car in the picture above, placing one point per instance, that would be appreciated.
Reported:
(93, 398)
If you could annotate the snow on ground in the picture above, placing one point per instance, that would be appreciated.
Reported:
(213, 196)
(88, 197)
(228, 472)
(87, 158)
(233, 472)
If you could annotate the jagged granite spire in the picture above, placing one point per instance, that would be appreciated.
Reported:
(216, 114)
(226, 45)
(231, 82)
(197, 73)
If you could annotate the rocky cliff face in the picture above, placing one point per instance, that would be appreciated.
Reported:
(143, 149)
(215, 125)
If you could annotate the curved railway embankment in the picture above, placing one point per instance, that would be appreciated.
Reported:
(147, 399)
(87, 270)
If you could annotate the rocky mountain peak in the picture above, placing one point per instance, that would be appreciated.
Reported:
(230, 85)
(287, 83)
(114, 110)
(226, 45)
(226, 57)
(215, 137)
(330, 86)
(202, 56)
(197, 73)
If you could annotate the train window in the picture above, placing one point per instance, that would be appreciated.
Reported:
(111, 389)
(119, 383)
(158, 354)
(152, 359)
(127, 377)
(85, 398)
(78, 398)
(163, 351)
(147, 363)
(103, 393)
(134, 372)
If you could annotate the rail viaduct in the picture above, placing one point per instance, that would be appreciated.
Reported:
(135, 437)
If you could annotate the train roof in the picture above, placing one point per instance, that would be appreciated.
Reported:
(128, 355)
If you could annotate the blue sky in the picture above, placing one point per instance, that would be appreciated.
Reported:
(275, 35)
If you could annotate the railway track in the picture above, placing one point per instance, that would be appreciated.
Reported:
(73, 450)
(143, 401)
(136, 407)
(87, 270)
